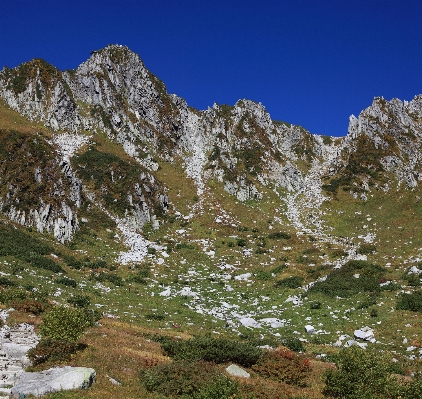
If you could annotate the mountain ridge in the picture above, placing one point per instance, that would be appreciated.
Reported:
(239, 146)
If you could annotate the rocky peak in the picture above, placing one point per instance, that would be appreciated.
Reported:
(37, 90)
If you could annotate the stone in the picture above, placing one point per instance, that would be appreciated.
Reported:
(237, 371)
(310, 329)
(249, 322)
(365, 333)
(53, 380)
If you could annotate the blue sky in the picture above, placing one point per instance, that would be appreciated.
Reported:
(309, 62)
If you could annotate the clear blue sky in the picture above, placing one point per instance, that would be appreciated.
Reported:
(309, 62)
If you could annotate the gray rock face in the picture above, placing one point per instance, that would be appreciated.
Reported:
(53, 380)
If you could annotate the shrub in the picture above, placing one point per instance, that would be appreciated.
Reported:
(62, 323)
(278, 269)
(155, 316)
(10, 294)
(73, 262)
(53, 350)
(263, 275)
(241, 242)
(315, 305)
(284, 365)
(411, 301)
(279, 235)
(412, 280)
(413, 389)
(342, 282)
(92, 316)
(290, 282)
(41, 262)
(366, 249)
(144, 271)
(197, 380)
(338, 253)
(66, 281)
(217, 350)
(294, 344)
(79, 301)
(136, 278)
(111, 278)
(28, 306)
(5, 282)
(360, 374)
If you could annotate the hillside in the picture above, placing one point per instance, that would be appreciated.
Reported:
(221, 222)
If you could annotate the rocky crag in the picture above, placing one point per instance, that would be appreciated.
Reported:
(240, 147)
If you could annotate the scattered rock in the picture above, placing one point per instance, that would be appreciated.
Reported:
(310, 329)
(365, 333)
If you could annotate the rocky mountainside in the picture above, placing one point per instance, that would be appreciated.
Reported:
(113, 97)
(161, 220)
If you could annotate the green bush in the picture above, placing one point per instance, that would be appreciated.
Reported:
(11, 293)
(289, 282)
(111, 278)
(79, 301)
(279, 235)
(412, 280)
(360, 374)
(66, 281)
(315, 305)
(413, 389)
(278, 269)
(411, 301)
(63, 323)
(73, 262)
(294, 344)
(40, 262)
(217, 350)
(263, 275)
(366, 249)
(92, 316)
(241, 242)
(5, 282)
(187, 379)
(342, 282)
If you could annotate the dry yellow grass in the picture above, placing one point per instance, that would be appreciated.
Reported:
(11, 120)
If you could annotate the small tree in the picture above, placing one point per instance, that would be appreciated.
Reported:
(63, 323)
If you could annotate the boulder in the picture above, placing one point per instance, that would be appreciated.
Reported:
(310, 329)
(237, 371)
(365, 333)
(53, 380)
